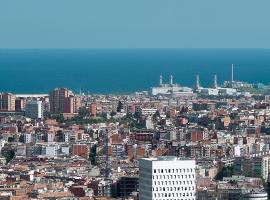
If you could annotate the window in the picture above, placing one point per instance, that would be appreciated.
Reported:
(155, 171)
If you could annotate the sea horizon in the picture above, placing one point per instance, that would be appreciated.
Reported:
(123, 70)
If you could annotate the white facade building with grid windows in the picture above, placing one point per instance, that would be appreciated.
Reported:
(167, 178)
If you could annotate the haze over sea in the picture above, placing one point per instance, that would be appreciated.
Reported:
(125, 70)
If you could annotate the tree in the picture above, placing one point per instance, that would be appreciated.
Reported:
(9, 155)
(47, 114)
(93, 154)
(21, 138)
(224, 172)
(83, 112)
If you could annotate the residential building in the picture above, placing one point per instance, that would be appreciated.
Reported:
(34, 109)
(167, 178)
(57, 99)
(7, 102)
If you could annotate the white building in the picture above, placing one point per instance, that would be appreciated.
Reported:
(148, 111)
(51, 150)
(209, 91)
(149, 123)
(34, 109)
(167, 178)
(171, 88)
(256, 196)
(27, 137)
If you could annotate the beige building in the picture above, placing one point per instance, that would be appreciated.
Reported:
(7, 102)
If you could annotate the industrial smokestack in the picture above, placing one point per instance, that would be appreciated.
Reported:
(197, 85)
(160, 80)
(171, 79)
(215, 81)
(232, 72)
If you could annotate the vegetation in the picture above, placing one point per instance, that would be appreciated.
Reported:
(9, 155)
(84, 117)
(224, 172)
(93, 155)
(21, 138)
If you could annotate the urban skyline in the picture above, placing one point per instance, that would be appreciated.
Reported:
(134, 100)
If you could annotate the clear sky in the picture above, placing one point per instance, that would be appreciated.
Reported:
(135, 24)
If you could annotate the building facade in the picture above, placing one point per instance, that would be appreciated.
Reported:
(7, 102)
(34, 109)
(167, 178)
(57, 99)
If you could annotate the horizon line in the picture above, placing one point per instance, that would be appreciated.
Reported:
(123, 48)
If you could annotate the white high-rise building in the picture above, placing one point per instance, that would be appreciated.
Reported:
(167, 178)
(34, 109)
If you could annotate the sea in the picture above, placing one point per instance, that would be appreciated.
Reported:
(123, 71)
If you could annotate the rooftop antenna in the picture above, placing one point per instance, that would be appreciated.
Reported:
(160, 80)
(171, 79)
(215, 81)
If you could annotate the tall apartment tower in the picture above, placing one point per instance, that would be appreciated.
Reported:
(167, 178)
(20, 104)
(69, 105)
(57, 99)
(7, 102)
(34, 109)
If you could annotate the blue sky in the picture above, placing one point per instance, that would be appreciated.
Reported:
(134, 24)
